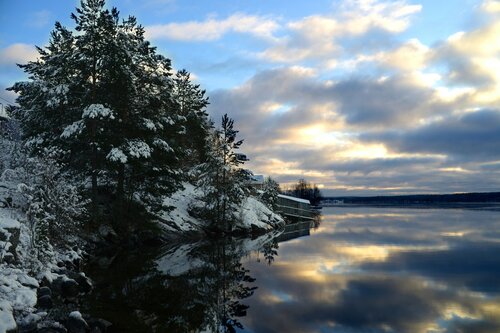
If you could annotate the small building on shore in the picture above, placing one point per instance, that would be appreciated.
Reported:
(294, 208)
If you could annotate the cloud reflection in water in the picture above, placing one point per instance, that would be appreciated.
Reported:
(383, 270)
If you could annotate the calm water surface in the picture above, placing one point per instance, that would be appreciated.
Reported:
(361, 270)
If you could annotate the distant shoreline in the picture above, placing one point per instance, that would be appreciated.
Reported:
(490, 206)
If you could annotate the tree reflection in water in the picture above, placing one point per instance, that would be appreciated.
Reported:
(190, 287)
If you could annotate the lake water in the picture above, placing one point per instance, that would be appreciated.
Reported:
(361, 270)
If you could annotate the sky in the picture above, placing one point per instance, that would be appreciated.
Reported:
(361, 97)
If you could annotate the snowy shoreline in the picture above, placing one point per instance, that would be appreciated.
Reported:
(22, 304)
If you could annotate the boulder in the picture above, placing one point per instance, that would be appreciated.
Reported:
(44, 291)
(84, 283)
(9, 258)
(45, 302)
(76, 324)
(69, 288)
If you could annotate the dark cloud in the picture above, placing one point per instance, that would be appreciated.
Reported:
(471, 136)
(460, 68)
(384, 103)
(473, 265)
(364, 111)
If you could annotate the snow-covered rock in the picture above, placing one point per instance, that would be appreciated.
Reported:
(178, 219)
(7, 322)
(253, 214)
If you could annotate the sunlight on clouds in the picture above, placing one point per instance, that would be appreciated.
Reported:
(410, 56)
(17, 53)
(366, 151)
(275, 166)
(393, 16)
(319, 135)
(481, 42)
(316, 36)
(455, 169)
(454, 234)
(450, 94)
(491, 6)
(276, 108)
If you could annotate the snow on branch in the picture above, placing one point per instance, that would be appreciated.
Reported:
(117, 155)
(138, 149)
(94, 111)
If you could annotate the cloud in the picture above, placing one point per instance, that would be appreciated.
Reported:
(471, 136)
(362, 134)
(491, 6)
(382, 103)
(318, 36)
(470, 58)
(17, 54)
(213, 28)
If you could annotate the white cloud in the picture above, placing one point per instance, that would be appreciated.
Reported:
(213, 29)
(361, 15)
(471, 60)
(17, 53)
(491, 6)
(410, 56)
(317, 36)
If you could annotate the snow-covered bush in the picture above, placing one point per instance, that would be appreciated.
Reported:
(52, 205)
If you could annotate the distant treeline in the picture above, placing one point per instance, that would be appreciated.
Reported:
(420, 198)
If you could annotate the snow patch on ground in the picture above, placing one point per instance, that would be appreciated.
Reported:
(7, 321)
(17, 293)
(253, 213)
(178, 219)
(7, 222)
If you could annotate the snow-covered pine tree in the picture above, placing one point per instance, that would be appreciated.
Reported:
(103, 96)
(270, 192)
(223, 182)
(50, 99)
(192, 102)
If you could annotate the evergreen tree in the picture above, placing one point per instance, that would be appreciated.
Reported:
(103, 97)
(270, 192)
(192, 102)
(223, 182)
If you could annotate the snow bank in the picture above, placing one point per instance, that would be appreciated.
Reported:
(253, 214)
(7, 222)
(178, 219)
(17, 293)
(7, 321)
